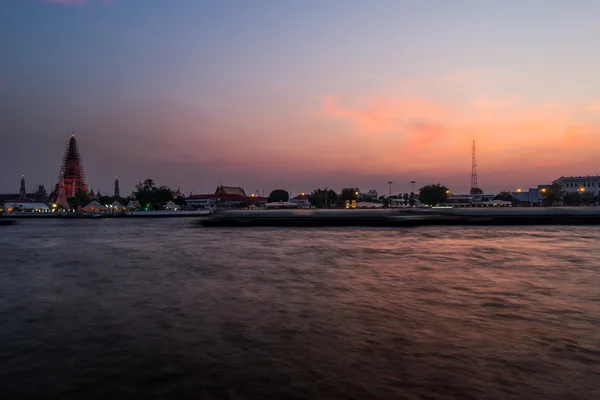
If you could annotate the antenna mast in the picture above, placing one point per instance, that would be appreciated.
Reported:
(474, 168)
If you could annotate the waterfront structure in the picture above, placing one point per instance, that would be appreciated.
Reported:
(25, 206)
(94, 206)
(301, 201)
(531, 196)
(230, 190)
(284, 204)
(581, 184)
(370, 195)
(224, 196)
(117, 206)
(474, 200)
(39, 196)
(201, 200)
(133, 205)
(117, 191)
(170, 206)
(71, 179)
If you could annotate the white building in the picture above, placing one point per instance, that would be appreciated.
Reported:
(482, 197)
(580, 184)
(26, 207)
(200, 202)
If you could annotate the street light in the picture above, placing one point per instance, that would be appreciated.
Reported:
(390, 183)
(413, 183)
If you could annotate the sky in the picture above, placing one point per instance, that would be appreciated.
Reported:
(299, 95)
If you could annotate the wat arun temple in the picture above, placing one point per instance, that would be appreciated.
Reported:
(71, 179)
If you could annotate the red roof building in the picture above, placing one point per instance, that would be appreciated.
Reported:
(225, 196)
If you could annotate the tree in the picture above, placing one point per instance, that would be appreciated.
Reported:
(278, 195)
(412, 199)
(80, 199)
(433, 194)
(147, 186)
(332, 198)
(104, 200)
(572, 199)
(151, 196)
(504, 196)
(144, 192)
(162, 195)
(405, 197)
(349, 194)
(476, 190)
(179, 200)
(553, 194)
(320, 198)
(317, 198)
(588, 198)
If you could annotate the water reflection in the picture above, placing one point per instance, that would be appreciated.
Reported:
(164, 309)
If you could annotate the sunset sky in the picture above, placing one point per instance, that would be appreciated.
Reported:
(300, 94)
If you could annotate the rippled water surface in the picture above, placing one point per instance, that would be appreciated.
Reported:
(148, 309)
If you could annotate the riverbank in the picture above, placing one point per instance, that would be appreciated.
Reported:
(128, 214)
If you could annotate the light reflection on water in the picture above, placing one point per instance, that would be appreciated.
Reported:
(167, 309)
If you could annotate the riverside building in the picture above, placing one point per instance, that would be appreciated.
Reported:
(572, 184)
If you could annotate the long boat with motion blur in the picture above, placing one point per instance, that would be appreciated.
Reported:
(406, 217)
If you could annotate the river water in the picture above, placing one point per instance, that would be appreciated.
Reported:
(149, 309)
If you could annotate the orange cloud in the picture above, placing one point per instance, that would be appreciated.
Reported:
(419, 134)
(424, 134)
(595, 107)
(383, 116)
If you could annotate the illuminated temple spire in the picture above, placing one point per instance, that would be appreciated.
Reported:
(71, 175)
